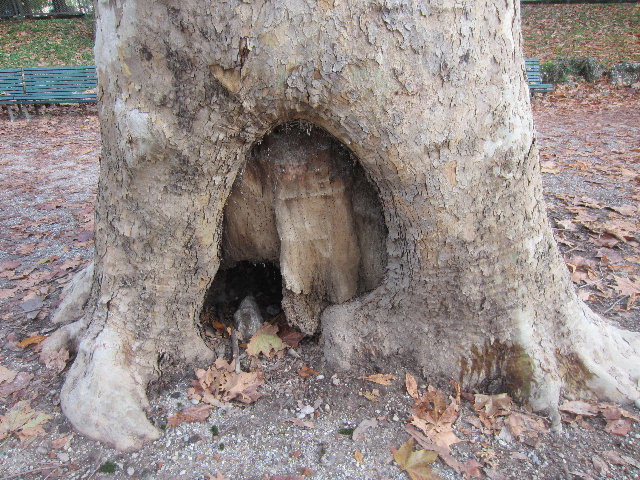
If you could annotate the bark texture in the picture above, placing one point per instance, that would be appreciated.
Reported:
(431, 99)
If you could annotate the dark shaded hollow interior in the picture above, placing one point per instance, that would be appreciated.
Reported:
(303, 228)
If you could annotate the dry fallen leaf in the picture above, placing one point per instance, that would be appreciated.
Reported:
(381, 378)
(416, 463)
(218, 476)
(443, 452)
(362, 427)
(578, 407)
(358, 456)
(614, 457)
(372, 396)
(621, 426)
(7, 375)
(300, 423)
(435, 416)
(62, 442)
(220, 384)
(493, 405)
(307, 371)
(22, 421)
(412, 385)
(31, 340)
(20, 381)
(197, 413)
(56, 361)
(265, 341)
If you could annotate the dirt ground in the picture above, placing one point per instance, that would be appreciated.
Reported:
(589, 139)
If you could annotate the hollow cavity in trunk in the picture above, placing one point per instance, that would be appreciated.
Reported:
(304, 204)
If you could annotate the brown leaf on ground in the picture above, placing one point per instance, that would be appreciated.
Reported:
(7, 375)
(614, 412)
(20, 381)
(435, 416)
(291, 337)
(31, 340)
(218, 476)
(362, 427)
(426, 443)
(628, 286)
(22, 421)
(62, 442)
(472, 468)
(300, 423)
(307, 371)
(372, 396)
(220, 384)
(621, 427)
(578, 407)
(381, 378)
(265, 341)
(614, 457)
(416, 463)
(56, 361)
(626, 210)
(493, 405)
(197, 413)
(411, 384)
(358, 456)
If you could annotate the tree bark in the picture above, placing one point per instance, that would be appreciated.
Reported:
(430, 98)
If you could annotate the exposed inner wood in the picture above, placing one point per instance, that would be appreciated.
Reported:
(303, 203)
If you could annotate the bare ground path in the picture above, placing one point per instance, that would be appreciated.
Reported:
(590, 154)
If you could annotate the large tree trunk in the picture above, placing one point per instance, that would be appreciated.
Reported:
(459, 274)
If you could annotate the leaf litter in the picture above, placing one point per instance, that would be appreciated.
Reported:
(39, 262)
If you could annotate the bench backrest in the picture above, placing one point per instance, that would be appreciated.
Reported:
(58, 82)
(10, 83)
(533, 70)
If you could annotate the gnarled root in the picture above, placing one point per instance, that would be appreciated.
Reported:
(104, 393)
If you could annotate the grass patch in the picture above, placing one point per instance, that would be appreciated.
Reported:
(608, 33)
(108, 467)
(46, 42)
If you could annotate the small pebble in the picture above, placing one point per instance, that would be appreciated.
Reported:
(195, 401)
(293, 353)
(328, 460)
(130, 471)
(307, 410)
(183, 472)
(41, 450)
(320, 377)
(395, 418)
(63, 457)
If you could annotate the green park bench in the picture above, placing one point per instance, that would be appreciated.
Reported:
(534, 76)
(46, 85)
(10, 86)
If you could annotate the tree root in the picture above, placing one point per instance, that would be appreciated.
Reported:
(104, 393)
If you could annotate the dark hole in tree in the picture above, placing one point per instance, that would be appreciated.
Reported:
(263, 281)
(304, 206)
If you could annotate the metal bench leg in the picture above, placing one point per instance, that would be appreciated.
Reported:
(25, 111)
(10, 111)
